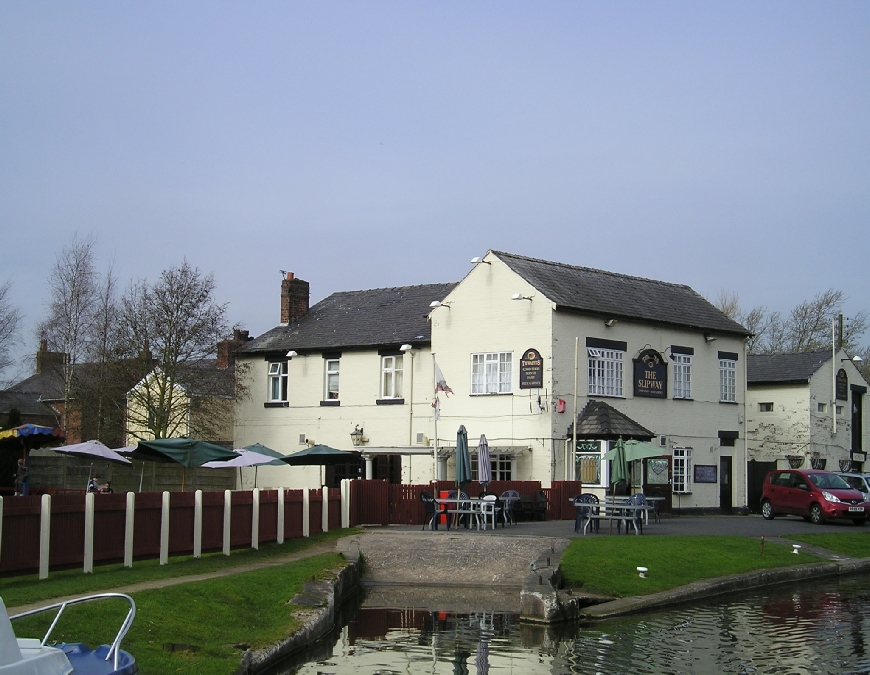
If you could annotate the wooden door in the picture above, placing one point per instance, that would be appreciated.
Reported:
(657, 480)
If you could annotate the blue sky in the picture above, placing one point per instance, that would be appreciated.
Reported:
(372, 144)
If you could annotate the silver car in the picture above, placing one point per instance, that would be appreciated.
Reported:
(858, 481)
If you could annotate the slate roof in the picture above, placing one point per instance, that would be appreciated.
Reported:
(601, 421)
(356, 320)
(616, 296)
(796, 368)
(27, 402)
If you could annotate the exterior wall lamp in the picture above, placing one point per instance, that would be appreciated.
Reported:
(291, 354)
(438, 303)
(477, 260)
(520, 296)
(357, 436)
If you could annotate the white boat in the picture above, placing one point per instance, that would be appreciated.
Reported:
(34, 656)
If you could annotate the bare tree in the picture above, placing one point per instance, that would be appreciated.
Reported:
(809, 326)
(74, 291)
(176, 325)
(10, 319)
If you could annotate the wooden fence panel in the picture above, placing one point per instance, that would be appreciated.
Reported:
(146, 525)
(292, 514)
(316, 513)
(406, 507)
(370, 502)
(110, 523)
(212, 522)
(181, 518)
(67, 540)
(20, 552)
(267, 533)
(240, 523)
(334, 497)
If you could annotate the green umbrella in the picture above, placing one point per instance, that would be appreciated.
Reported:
(635, 450)
(263, 450)
(463, 459)
(321, 455)
(185, 451)
(618, 470)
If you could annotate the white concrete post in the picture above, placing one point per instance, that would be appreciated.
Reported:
(164, 530)
(345, 503)
(306, 513)
(255, 519)
(370, 468)
(197, 524)
(228, 501)
(128, 529)
(325, 514)
(44, 535)
(280, 515)
(89, 533)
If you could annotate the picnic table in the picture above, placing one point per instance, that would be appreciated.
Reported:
(629, 514)
(482, 510)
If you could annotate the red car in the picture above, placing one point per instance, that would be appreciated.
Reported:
(815, 495)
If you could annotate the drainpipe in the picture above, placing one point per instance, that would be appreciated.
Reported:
(573, 458)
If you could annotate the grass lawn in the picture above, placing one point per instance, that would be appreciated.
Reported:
(607, 565)
(22, 590)
(853, 544)
(217, 617)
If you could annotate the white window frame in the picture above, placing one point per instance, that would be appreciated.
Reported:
(727, 381)
(682, 471)
(277, 382)
(391, 376)
(765, 406)
(605, 372)
(331, 379)
(682, 375)
(491, 373)
(501, 465)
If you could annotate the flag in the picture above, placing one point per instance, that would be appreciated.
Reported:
(437, 405)
(440, 382)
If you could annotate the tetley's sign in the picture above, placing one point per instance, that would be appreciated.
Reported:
(650, 375)
(531, 370)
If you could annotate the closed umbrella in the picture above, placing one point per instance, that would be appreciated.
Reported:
(618, 471)
(484, 464)
(463, 459)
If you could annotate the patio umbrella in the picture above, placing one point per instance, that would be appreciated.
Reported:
(243, 458)
(185, 451)
(463, 460)
(93, 450)
(635, 450)
(484, 464)
(321, 455)
(276, 456)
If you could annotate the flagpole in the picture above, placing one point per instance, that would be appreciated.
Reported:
(435, 450)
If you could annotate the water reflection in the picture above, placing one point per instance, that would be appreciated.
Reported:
(819, 629)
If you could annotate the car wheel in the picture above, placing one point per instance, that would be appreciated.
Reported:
(767, 510)
(816, 517)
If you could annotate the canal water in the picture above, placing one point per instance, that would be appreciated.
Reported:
(816, 629)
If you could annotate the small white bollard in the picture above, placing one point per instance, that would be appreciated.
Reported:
(795, 548)
(643, 571)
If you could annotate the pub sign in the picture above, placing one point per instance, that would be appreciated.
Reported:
(650, 375)
(842, 385)
(531, 370)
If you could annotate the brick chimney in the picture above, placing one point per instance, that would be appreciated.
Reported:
(226, 348)
(46, 359)
(294, 298)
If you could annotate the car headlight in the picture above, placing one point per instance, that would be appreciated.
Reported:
(830, 497)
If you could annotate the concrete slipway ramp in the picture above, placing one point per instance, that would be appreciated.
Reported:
(458, 571)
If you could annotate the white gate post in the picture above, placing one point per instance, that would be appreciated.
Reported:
(280, 515)
(44, 535)
(228, 502)
(255, 519)
(325, 515)
(306, 513)
(128, 529)
(89, 533)
(164, 530)
(197, 524)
